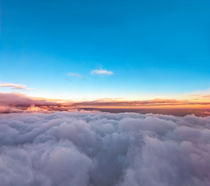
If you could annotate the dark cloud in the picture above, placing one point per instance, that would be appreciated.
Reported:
(103, 149)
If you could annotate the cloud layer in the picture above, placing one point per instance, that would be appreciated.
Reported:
(100, 149)
(16, 102)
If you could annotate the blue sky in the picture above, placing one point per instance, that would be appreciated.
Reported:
(151, 47)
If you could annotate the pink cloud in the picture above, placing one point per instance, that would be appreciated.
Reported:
(13, 86)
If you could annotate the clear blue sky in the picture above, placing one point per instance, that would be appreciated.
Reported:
(152, 47)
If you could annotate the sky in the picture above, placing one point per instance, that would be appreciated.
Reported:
(86, 83)
(104, 49)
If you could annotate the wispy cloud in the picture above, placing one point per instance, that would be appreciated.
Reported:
(71, 74)
(14, 86)
(101, 72)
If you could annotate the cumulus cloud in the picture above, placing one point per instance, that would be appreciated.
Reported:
(14, 98)
(8, 109)
(14, 86)
(101, 72)
(74, 75)
(16, 102)
(20, 99)
(100, 149)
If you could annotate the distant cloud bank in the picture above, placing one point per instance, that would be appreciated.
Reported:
(16, 102)
(102, 72)
(102, 149)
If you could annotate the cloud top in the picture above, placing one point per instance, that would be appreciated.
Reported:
(91, 149)
(101, 72)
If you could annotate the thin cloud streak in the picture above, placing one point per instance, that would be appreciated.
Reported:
(77, 75)
(101, 72)
(14, 86)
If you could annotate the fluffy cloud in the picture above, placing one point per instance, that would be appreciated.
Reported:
(14, 98)
(16, 102)
(102, 72)
(92, 149)
(20, 99)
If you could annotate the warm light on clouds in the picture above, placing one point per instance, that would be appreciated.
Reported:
(104, 93)
(14, 86)
(102, 72)
(13, 102)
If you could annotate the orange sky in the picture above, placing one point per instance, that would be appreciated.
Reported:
(13, 102)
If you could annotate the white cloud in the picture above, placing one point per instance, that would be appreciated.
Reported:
(14, 86)
(74, 75)
(91, 149)
(102, 72)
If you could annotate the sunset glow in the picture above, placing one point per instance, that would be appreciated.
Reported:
(104, 93)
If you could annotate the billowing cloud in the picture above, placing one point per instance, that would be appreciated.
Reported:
(19, 99)
(100, 149)
(74, 75)
(8, 109)
(16, 102)
(14, 86)
(102, 72)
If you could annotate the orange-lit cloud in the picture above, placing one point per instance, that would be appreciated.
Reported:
(14, 86)
(16, 102)
(13, 102)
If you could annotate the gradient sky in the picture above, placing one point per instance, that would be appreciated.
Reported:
(148, 47)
